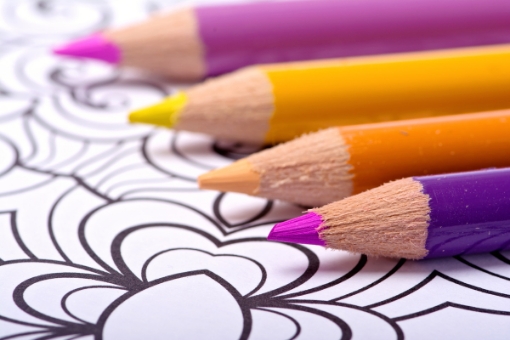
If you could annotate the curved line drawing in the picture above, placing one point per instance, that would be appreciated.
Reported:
(387, 275)
(134, 182)
(63, 303)
(77, 155)
(261, 267)
(51, 154)
(294, 321)
(217, 212)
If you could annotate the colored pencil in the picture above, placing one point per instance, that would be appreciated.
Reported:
(415, 218)
(275, 103)
(197, 42)
(332, 164)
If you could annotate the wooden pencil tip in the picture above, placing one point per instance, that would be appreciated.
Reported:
(237, 177)
(302, 229)
(165, 113)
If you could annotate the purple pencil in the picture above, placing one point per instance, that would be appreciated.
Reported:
(206, 41)
(414, 218)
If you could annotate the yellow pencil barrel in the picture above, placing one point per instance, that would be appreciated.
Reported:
(314, 95)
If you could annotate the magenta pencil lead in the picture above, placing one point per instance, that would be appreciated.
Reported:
(92, 47)
(301, 229)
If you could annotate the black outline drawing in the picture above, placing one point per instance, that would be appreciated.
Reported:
(90, 167)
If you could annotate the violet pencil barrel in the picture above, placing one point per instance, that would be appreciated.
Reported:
(470, 212)
(238, 35)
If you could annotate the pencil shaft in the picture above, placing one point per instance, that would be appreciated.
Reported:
(387, 151)
(469, 212)
(238, 35)
(313, 95)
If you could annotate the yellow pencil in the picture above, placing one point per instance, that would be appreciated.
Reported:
(275, 103)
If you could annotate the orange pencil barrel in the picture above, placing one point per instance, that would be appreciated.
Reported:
(383, 152)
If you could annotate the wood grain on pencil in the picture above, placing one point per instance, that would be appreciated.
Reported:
(172, 42)
(329, 165)
(238, 106)
(390, 220)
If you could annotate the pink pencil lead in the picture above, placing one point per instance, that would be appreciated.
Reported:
(302, 230)
(93, 47)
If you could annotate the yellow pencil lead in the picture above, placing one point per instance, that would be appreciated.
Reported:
(165, 113)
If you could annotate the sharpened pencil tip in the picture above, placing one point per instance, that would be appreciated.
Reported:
(165, 113)
(237, 177)
(301, 229)
(92, 47)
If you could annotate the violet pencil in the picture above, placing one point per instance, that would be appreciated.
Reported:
(415, 218)
(203, 41)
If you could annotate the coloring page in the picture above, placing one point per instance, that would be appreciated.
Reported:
(104, 233)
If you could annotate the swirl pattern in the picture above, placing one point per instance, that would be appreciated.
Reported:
(105, 235)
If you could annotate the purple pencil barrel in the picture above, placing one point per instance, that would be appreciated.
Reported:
(244, 34)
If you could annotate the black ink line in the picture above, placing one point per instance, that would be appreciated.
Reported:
(70, 327)
(393, 324)
(217, 212)
(81, 122)
(313, 267)
(500, 257)
(175, 150)
(97, 157)
(119, 171)
(30, 136)
(73, 265)
(341, 324)
(77, 155)
(247, 320)
(110, 162)
(459, 258)
(51, 154)
(63, 302)
(145, 155)
(361, 263)
(68, 135)
(399, 264)
(296, 324)
(428, 279)
(258, 264)
(32, 187)
(78, 180)
(449, 304)
(148, 189)
(17, 236)
(16, 155)
(50, 224)
(135, 182)
(14, 336)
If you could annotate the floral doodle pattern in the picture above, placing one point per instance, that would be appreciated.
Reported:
(104, 234)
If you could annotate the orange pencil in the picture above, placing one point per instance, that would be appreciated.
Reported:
(332, 164)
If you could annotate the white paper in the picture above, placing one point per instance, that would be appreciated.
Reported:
(104, 234)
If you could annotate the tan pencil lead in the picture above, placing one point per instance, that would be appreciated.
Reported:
(237, 177)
